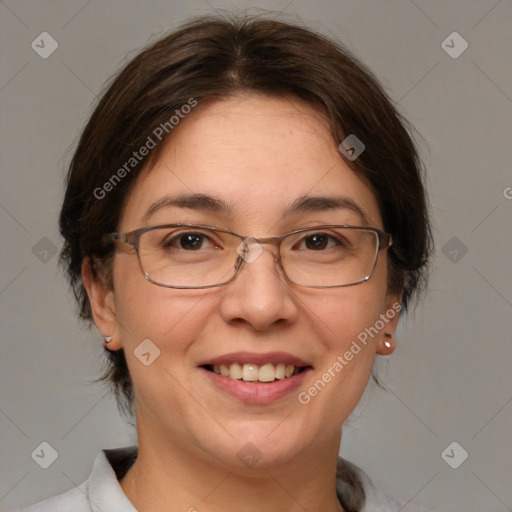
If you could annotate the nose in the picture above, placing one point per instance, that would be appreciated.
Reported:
(259, 295)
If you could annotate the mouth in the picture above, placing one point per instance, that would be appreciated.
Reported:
(250, 372)
(254, 378)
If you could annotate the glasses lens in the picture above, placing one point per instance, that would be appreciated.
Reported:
(330, 256)
(188, 256)
(198, 257)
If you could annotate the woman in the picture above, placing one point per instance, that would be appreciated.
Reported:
(244, 219)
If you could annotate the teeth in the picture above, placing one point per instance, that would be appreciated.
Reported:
(254, 373)
(267, 373)
(235, 371)
(280, 371)
(250, 372)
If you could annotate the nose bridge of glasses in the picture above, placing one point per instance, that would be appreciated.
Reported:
(251, 248)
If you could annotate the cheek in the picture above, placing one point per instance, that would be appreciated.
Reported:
(171, 318)
(345, 322)
(344, 314)
(348, 357)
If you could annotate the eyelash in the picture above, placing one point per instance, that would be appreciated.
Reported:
(177, 237)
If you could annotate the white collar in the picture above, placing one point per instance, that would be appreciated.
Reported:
(105, 492)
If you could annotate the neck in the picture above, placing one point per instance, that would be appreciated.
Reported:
(180, 478)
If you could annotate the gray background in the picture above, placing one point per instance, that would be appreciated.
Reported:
(449, 379)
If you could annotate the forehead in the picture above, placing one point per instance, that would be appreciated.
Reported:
(259, 154)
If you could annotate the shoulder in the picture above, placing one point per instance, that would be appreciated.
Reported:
(74, 499)
(354, 484)
(100, 492)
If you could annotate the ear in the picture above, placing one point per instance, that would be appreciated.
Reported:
(386, 343)
(102, 302)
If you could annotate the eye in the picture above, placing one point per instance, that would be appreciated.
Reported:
(188, 241)
(319, 242)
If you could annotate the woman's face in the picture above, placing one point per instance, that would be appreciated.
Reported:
(258, 155)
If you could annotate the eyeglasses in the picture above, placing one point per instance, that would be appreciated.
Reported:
(202, 256)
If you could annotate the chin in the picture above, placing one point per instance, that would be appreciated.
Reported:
(261, 449)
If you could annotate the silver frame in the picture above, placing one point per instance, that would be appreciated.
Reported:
(384, 240)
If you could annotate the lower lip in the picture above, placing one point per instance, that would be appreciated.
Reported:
(257, 392)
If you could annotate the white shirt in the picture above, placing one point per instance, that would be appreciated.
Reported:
(101, 492)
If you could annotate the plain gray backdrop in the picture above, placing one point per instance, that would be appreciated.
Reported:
(449, 379)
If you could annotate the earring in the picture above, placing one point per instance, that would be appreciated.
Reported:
(107, 339)
(387, 343)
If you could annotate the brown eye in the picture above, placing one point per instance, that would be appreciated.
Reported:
(186, 241)
(190, 241)
(316, 241)
(319, 242)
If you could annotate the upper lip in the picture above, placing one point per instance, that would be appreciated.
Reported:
(256, 358)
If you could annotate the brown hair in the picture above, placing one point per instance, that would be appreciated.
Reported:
(217, 57)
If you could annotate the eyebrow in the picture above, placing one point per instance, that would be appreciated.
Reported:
(304, 204)
(193, 201)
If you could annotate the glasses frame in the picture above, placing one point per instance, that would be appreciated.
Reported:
(384, 240)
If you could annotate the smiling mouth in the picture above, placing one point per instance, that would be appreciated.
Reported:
(249, 372)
